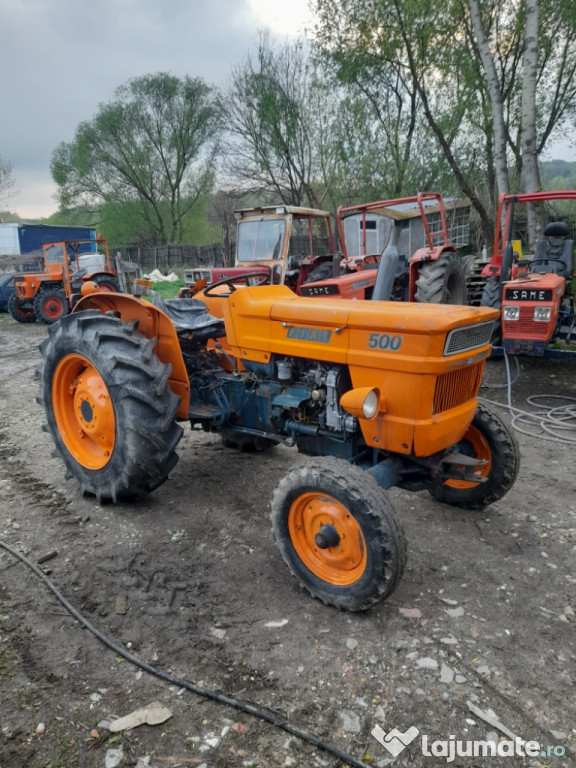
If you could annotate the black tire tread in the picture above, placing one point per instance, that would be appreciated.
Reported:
(12, 306)
(505, 465)
(361, 488)
(492, 297)
(104, 279)
(145, 407)
(39, 301)
(433, 279)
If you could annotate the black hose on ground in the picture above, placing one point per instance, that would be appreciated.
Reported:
(269, 716)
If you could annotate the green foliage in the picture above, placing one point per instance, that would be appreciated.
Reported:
(168, 290)
(148, 152)
(9, 218)
(282, 121)
(558, 174)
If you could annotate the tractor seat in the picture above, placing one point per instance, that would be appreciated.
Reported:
(191, 315)
(554, 253)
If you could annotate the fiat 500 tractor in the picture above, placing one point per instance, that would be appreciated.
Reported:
(377, 394)
(534, 293)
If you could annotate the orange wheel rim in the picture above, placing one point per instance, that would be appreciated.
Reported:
(344, 561)
(84, 411)
(480, 450)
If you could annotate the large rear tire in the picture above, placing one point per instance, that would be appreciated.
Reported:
(106, 283)
(338, 534)
(22, 312)
(442, 281)
(488, 438)
(109, 407)
(50, 306)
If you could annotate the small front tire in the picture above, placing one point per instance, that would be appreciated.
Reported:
(488, 438)
(338, 534)
(22, 312)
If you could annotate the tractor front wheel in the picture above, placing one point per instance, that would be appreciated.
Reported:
(338, 534)
(108, 404)
(23, 312)
(442, 281)
(490, 439)
(50, 306)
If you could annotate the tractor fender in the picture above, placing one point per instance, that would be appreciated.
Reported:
(153, 324)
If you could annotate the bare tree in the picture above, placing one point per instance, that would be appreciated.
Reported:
(282, 126)
(6, 180)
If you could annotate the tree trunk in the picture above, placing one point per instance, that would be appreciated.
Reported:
(530, 171)
(495, 96)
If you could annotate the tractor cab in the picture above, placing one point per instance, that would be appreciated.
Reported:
(294, 244)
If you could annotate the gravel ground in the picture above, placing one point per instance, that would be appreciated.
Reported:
(477, 643)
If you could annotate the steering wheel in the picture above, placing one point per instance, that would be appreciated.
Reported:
(262, 278)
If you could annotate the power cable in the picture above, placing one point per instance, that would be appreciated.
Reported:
(267, 715)
(555, 423)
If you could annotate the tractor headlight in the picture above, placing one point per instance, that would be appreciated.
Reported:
(370, 404)
(542, 314)
(511, 313)
(364, 402)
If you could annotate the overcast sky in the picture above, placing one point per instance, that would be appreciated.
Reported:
(59, 59)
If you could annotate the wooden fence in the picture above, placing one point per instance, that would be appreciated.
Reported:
(168, 257)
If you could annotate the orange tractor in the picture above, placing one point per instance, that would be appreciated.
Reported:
(49, 295)
(378, 394)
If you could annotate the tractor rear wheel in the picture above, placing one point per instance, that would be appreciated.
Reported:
(488, 438)
(442, 281)
(23, 312)
(338, 534)
(106, 283)
(109, 407)
(50, 306)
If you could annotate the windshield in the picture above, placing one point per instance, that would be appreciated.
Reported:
(54, 254)
(260, 240)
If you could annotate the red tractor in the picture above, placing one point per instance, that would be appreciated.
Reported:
(46, 296)
(297, 247)
(419, 264)
(534, 294)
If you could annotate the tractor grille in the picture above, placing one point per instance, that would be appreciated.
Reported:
(457, 387)
(468, 338)
(526, 327)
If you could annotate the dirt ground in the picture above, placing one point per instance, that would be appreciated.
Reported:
(190, 582)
